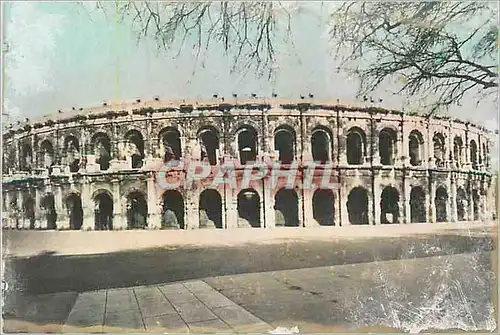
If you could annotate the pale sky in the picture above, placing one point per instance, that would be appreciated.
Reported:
(61, 56)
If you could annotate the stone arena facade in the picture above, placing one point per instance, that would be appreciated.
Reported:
(96, 169)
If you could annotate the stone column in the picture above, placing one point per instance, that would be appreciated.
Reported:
(5, 210)
(20, 213)
(407, 198)
(373, 144)
(88, 207)
(342, 154)
(344, 213)
(119, 219)
(309, 220)
(300, 204)
(40, 220)
(268, 217)
(192, 218)
(374, 217)
(154, 210)
(470, 200)
(62, 216)
(453, 199)
(232, 209)
(432, 205)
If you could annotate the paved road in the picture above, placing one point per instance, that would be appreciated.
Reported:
(431, 293)
(49, 273)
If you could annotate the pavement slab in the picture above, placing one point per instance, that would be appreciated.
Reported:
(130, 319)
(169, 323)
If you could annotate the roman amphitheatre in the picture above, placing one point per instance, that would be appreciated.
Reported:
(96, 168)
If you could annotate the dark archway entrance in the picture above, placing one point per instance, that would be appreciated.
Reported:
(415, 147)
(75, 211)
(137, 211)
(171, 140)
(210, 209)
(173, 210)
(387, 146)
(461, 203)
(389, 205)
(102, 150)
(248, 208)
(135, 147)
(284, 143)
(321, 144)
(209, 141)
(323, 207)
(103, 211)
(440, 203)
(418, 213)
(356, 146)
(247, 144)
(357, 206)
(49, 210)
(286, 208)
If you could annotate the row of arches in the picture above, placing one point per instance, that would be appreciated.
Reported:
(321, 140)
(286, 208)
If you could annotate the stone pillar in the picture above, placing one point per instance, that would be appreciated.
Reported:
(451, 199)
(5, 210)
(407, 198)
(300, 204)
(88, 207)
(452, 214)
(192, 218)
(342, 154)
(268, 217)
(232, 209)
(374, 216)
(62, 216)
(154, 209)
(432, 205)
(309, 220)
(40, 220)
(373, 145)
(119, 219)
(344, 213)
(470, 200)
(20, 213)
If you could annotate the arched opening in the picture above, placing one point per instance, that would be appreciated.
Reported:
(171, 141)
(247, 144)
(248, 208)
(356, 146)
(209, 142)
(321, 144)
(286, 208)
(26, 157)
(415, 146)
(9, 158)
(357, 206)
(323, 207)
(439, 149)
(75, 211)
(173, 210)
(458, 146)
(475, 204)
(461, 203)
(210, 209)
(440, 202)
(72, 153)
(137, 211)
(284, 143)
(29, 210)
(387, 146)
(46, 155)
(49, 210)
(473, 154)
(134, 143)
(418, 212)
(389, 205)
(102, 150)
(103, 211)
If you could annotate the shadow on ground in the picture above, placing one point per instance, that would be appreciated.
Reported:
(49, 273)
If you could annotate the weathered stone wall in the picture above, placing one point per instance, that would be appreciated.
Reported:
(39, 183)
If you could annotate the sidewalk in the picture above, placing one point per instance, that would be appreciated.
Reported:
(440, 292)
